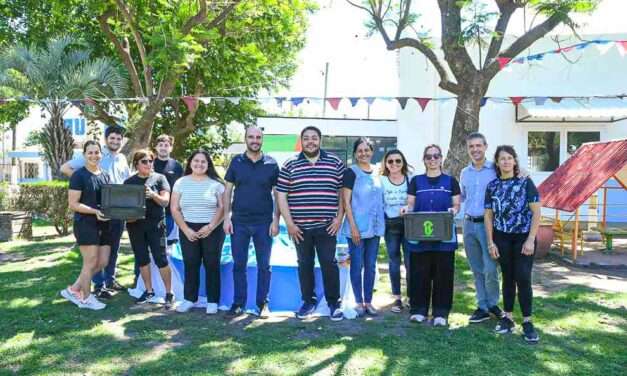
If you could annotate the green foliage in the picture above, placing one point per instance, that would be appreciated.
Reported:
(4, 196)
(47, 199)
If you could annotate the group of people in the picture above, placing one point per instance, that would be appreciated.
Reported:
(320, 200)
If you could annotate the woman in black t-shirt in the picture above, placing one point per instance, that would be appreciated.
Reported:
(149, 233)
(91, 228)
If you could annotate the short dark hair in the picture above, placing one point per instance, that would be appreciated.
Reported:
(165, 138)
(362, 140)
(114, 129)
(474, 135)
(509, 149)
(141, 154)
(90, 143)
(311, 128)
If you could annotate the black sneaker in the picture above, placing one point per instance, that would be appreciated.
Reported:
(306, 310)
(235, 311)
(103, 293)
(115, 286)
(397, 306)
(479, 316)
(529, 332)
(169, 301)
(260, 311)
(335, 313)
(146, 297)
(505, 325)
(496, 311)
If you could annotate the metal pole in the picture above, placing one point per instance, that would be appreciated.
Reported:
(604, 220)
(326, 83)
(573, 245)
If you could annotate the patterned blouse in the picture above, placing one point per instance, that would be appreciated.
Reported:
(509, 200)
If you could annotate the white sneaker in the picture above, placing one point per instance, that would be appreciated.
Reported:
(69, 295)
(212, 308)
(92, 303)
(417, 318)
(185, 306)
(439, 321)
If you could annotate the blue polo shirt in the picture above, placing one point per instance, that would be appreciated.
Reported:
(253, 181)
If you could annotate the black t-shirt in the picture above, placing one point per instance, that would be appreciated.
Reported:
(171, 169)
(90, 186)
(411, 188)
(157, 183)
(349, 178)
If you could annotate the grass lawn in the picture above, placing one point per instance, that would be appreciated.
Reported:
(583, 332)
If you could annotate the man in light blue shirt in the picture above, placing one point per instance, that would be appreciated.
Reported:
(116, 165)
(473, 183)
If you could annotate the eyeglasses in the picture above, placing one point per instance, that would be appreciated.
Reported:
(392, 161)
(432, 156)
(146, 161)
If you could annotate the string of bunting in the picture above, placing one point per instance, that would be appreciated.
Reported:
(192, 102)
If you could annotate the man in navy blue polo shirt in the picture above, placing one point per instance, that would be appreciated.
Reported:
(253, 215)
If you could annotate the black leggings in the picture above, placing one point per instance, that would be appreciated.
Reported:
(431, 276)
(208, 251)
(516, 271)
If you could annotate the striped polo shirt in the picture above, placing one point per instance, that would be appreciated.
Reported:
(312, 188)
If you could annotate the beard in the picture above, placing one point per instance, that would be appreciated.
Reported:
(311, 155)
(254, 148)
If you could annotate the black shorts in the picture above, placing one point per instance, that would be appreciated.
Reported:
(90, 231)
(148, 236)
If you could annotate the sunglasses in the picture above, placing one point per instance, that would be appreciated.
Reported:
(392, 161)
(432, 156)
(146, 161)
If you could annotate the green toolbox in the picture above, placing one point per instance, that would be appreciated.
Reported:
(428, 226)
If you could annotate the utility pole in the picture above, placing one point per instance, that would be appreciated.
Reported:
(326, 83)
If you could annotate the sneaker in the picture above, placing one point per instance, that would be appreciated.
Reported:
(305, 310)
(336, 314)
(185, 306)
(145, 297)
(505, 325)
(260, 311)
(212, 308)
(103, 293)
(115, 286)
(71, 296)
(361, 311)
(529, 332)
(371, 311)
(496, 311)
(234, 311)
(169, 301)
(397, 306)
(417, 318)
(439, 321)
(479, 316)
(92, 303)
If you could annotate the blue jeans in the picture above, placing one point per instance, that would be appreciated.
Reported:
(107, 275)
(363, 257)
(240, 239)
(482, 265)
(393, 243)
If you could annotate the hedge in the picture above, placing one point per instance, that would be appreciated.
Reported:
(47, 199)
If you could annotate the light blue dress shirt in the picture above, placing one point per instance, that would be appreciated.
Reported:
(473, 184)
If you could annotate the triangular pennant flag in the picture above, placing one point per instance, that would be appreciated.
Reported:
(205, 100)
(422, 102)
(297, 100)
(556, 99)
(89, 101)
(484, 100)
(604, 47)
(622, 47)
(503, 61)
(565, 49)
(516, 100)
(234, 100)
(535, 57)
(354, 101)
(583, 45)
(2, 101)
(75, 103)
(219, 101)
(279, 101)
(540, 101)
(334, 102)
(402, 101)
(519, 60)
(190, 102)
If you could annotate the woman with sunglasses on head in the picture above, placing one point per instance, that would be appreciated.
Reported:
(512, 219)
(148, 235)
(196, 207)
(364, 223)
(395, 181)
(432, 263)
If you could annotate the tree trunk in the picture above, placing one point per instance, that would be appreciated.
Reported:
(465, 122)
(57, 142)
(13, 142)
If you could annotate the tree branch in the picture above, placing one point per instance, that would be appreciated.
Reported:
(506, 9)
(140, 46)
(123, 51)
(454, 52)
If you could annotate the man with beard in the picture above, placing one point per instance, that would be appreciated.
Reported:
(113, 163)
(251, 178)
(474, 180)
(308, 191)
(172, 170)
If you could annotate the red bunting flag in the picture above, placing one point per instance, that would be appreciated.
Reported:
(334, 102)
(422, 102)
(622, 47)
(565, 49)
(503, 61)
(89, 101)
(190, 102)
(516, 100)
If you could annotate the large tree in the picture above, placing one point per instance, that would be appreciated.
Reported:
(467, 24)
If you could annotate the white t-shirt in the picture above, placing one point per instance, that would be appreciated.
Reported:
(199, 198)
(394, 196)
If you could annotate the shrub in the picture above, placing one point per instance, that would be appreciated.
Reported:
(4, 196)
(47, 199)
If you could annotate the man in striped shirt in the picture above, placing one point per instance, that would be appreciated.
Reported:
(308, 191)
